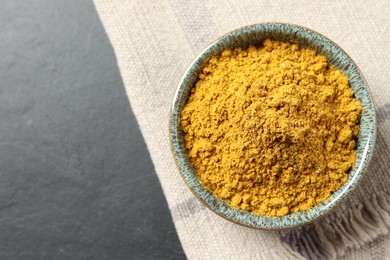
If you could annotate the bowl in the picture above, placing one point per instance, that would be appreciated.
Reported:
(256, 34)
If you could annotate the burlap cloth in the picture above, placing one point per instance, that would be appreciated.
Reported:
(155, 41)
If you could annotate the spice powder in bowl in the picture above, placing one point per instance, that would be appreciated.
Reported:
(271, 129)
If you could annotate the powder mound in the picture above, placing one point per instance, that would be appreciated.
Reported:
(271, 129)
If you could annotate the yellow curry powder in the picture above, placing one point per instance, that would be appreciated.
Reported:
(271, 130)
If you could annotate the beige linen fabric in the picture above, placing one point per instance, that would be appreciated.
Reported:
(155, 41)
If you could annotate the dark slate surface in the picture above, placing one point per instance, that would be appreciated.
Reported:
(76, 181)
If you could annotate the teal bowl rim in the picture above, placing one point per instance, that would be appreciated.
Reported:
(255, 34)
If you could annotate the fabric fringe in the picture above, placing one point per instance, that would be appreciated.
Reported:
(305, 241)
(335, 235)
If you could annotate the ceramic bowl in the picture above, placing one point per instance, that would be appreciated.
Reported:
(256, 34)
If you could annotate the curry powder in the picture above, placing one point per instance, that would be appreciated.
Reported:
(271, 129)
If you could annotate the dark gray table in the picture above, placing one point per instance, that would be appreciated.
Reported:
(76, 180)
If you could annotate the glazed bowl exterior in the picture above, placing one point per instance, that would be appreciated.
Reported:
(256, 34)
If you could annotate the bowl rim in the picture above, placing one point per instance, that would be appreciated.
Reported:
(367, 156)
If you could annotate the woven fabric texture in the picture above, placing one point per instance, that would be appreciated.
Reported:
(155, 41)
